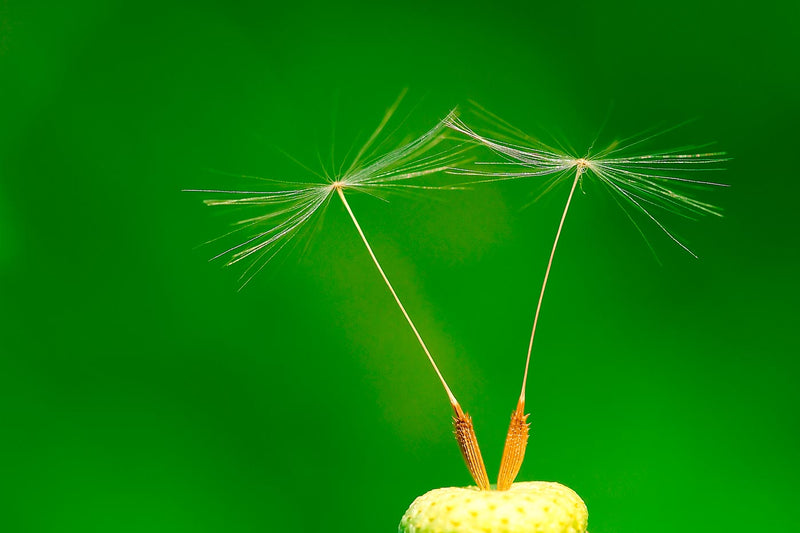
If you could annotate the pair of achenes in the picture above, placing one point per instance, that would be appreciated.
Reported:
(641, 184)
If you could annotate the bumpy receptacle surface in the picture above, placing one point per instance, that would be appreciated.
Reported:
(527, 507)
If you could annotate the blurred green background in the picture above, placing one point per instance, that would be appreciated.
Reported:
(140, 392)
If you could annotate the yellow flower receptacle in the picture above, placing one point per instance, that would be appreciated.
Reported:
(527, 507)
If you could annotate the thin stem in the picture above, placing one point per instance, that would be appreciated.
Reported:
(578, 173)
(450, 395)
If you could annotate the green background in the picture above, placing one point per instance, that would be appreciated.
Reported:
(140, 392)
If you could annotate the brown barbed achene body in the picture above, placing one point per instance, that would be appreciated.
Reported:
(514, 450)
(468, 443)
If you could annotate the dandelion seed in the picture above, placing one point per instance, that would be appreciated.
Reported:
(291, 206)
(638, 183)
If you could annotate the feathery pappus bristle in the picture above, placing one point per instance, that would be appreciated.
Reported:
(649, 184)
(283, 212)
